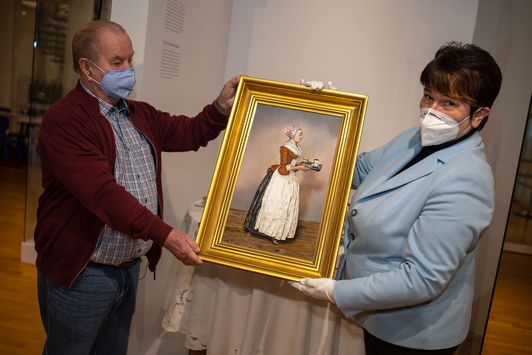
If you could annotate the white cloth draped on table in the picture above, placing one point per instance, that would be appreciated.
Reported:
(231, 311)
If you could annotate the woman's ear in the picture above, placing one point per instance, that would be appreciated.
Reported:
(479, 116)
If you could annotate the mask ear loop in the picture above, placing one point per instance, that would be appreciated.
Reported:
(472, 111)
(470, 130)
(484, 120)
(470, 116)
(96, 65)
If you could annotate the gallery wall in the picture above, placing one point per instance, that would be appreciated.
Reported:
(376, 48)
(193, 41)
(379, 48)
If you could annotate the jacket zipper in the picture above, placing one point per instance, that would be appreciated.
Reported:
(77, 275)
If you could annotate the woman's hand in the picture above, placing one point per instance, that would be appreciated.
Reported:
(320, 289)
(316, 85)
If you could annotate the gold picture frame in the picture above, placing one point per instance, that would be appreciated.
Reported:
(331, 122)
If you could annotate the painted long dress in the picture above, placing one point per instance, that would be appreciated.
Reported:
(274, 210)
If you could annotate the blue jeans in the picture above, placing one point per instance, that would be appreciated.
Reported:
(92, 317)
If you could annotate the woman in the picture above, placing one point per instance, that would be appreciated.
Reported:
(274, 210)
(420, 206)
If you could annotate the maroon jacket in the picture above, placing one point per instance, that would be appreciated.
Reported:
(77, 151)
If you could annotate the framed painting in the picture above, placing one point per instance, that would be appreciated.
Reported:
(281, 185)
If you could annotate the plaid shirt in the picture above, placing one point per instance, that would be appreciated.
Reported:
(135, 170)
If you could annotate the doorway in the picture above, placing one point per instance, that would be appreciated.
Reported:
(518, 236)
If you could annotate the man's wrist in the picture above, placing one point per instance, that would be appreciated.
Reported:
(221, 109)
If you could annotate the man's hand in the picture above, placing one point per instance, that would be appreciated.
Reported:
(320, 289)
(183, 247)
(225, 100)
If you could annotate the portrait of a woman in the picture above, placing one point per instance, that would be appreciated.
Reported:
(274, 210)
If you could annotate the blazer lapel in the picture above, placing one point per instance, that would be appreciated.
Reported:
(375, 182)
(422, 168)
(389, 180)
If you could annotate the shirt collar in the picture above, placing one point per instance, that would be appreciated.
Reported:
(105, 107)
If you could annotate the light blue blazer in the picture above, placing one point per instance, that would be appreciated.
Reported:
(410, 245)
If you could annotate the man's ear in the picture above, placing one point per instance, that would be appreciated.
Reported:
(479, 116)
(84, 67)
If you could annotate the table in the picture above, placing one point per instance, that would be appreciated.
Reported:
(231, 311)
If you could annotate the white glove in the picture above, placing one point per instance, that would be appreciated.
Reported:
(321, 289)
(317, 85)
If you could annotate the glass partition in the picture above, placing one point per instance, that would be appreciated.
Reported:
(519, 229)
(56, 21)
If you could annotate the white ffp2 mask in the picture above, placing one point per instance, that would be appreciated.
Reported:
(437, 127)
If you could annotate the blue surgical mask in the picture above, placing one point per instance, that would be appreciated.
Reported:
(117, 84)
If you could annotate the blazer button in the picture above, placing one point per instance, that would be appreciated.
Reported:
(354, 212)
(351, 236)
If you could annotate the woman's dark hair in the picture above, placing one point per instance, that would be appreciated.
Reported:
(464, 72)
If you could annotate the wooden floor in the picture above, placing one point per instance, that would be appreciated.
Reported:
(21, 331)
(510, 324)
(509, 328)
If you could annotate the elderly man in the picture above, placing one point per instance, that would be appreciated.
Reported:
(102, 205)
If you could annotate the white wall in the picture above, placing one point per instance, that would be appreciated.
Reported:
(377, 48)
(186, 176)
(133, 16)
